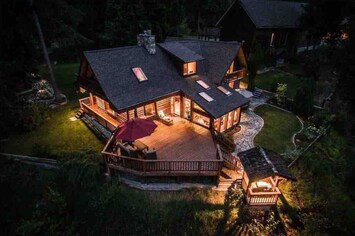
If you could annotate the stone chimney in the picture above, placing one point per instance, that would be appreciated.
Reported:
(148, 40)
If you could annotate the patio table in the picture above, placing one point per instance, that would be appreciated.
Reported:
(140, 146)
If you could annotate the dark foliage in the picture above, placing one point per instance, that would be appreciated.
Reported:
(303, 103)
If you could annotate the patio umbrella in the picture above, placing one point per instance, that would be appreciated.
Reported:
(135, 129)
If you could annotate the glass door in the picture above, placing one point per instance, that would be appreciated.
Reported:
(177, 105)
(187, 108)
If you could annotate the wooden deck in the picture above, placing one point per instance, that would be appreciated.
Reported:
(181, 141)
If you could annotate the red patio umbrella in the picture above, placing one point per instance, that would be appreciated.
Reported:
(135, 129)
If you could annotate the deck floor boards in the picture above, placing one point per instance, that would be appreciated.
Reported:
(181, 141)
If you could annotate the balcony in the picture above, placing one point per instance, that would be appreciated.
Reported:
(100, 115)
(236, 75)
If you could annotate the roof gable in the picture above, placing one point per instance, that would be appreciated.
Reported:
(271, 13)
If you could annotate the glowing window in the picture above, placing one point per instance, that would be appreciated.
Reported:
(190, 68)
(138, 72)
(206, 97)
(224, 90)
(203, 84)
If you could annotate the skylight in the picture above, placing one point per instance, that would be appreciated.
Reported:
(138, 72)
(203, 84)
(224, 90)
(206, 97)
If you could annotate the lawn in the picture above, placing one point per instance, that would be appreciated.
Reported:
(269, 80)
(58, 133)
(279, 127)
(65, 77)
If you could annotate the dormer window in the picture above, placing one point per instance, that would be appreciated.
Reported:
(138, 72)
(189, 68)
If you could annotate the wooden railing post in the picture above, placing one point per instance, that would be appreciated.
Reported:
(199, 167)
(144, 167)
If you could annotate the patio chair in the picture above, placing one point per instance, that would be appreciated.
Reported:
(165, 119)
(127, 150)
(151, 155)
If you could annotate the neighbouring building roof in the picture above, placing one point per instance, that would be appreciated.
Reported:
(260, 163)
(113, 69)
(272, 13)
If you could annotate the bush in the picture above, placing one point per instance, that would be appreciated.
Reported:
(32, 116)
(303, 101)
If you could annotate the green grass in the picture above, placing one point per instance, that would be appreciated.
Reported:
(279, 127)
(268, 81)
(58, 133)
(65, 76)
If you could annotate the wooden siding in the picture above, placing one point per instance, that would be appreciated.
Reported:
(164, 105)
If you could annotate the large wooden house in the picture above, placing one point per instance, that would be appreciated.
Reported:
(184, 87)
(273, 23)
(181, 85)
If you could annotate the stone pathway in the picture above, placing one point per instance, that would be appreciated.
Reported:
(251, 124)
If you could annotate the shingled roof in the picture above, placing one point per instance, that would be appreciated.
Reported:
(113, 70)
(181, 52)
(260, 163)
(271, 13)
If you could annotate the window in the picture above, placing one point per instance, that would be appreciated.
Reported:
(187, 108)
(100, 103)
(149, 109)
(231, 68)
(224, 90)
(203, 84)
(202, 120)
(189, 68)
(197, 107)
(138, 72)
(206, 97)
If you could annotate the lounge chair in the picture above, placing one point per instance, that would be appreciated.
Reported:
(165, 119)
(151, 155)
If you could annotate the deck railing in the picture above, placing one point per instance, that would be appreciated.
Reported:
(85, 104)
(262, 198)
(236, 75)
(144, 167)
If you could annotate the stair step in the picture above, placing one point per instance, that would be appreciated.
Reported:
(79, 114)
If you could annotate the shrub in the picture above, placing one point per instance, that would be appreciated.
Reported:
(281, 94)
(303, 101)
(31, 116)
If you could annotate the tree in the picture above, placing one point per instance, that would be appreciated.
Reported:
(256, 58)
(323, 18)
(59, 97)
(303, 100)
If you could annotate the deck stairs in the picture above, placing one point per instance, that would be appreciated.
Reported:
(100, 131)
(257, 93)
(79, 114)
(227, 178)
